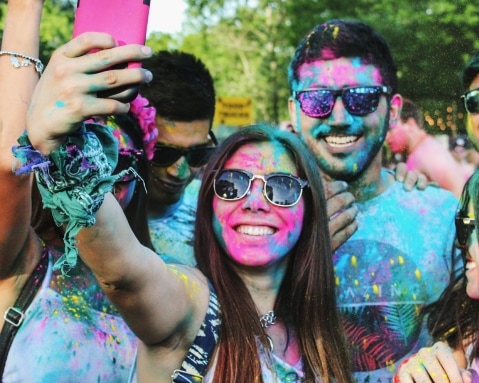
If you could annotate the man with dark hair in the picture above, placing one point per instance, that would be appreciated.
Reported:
(424, 152)
(343, 100)
(182, 92)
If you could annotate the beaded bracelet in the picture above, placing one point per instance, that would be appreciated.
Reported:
(26, 60)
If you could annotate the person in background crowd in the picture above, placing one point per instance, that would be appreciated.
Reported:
(470, 84)
(182, 98)
(424, 153)
(464, 155)
(344, 99)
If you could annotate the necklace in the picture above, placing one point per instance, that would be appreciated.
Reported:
(267, 319)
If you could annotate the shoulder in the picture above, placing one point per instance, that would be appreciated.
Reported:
(430, 200)
(436, 194)
(432, 193)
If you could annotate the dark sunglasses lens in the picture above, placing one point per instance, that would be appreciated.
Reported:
(199, 156)
(165, 156)
(316, 103)
(471, 101)
(461, 234)
(361, 101)
(231, 185)
(283, 190)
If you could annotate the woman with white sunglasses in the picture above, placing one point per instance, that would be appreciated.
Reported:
(261, 305)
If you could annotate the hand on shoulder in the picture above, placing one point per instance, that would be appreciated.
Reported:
(432, 364)
(410, 178)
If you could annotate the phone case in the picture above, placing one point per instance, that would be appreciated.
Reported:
(125, 20)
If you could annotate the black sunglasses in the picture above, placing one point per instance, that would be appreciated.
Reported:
(166, 155)
(280, 189)
(359, 100)
(464, 229)
(128, 158)
(471, 101)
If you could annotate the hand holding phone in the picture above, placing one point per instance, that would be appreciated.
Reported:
(125, 20)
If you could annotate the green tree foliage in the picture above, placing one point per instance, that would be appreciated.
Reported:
(431, 41)
(56, 28)
(247, 45)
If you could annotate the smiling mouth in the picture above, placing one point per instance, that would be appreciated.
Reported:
(341, 141)
(255, 230)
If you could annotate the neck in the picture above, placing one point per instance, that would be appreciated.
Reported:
(263, 285)
(160, 210)
(371, 182)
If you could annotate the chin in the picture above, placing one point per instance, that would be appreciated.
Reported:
(473, 289)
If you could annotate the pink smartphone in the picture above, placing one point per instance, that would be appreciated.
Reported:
(125, 20)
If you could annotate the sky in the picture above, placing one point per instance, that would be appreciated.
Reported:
(166, 16)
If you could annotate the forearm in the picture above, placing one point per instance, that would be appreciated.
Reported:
(21, 34)
(110, 248)
(136, 280)
(22, 25)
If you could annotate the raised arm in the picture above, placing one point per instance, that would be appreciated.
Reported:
(20, 35)
(156, 301)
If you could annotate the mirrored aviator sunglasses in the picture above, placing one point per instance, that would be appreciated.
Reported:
(280, 189)
(360, 101)
(166, 155)
(471, 101)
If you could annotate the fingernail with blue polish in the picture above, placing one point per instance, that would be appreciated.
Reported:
(148, 75)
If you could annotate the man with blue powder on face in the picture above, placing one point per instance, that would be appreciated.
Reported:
(343, 100)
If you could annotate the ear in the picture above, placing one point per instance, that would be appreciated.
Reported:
(292, 105)
(395, 110)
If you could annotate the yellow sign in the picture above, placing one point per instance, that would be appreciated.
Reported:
(233, 111)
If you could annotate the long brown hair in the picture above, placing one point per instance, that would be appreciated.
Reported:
(306, 300)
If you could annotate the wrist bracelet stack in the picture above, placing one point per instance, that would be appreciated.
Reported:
(25, 60)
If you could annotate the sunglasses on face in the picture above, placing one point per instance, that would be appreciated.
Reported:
(128, 158)
(166, 155)
(471, 101)
(464, 229)
(360, 100)
(280, 189)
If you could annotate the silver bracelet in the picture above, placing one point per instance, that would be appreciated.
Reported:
(26, 60)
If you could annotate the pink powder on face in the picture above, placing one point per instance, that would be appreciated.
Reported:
(253, 231)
